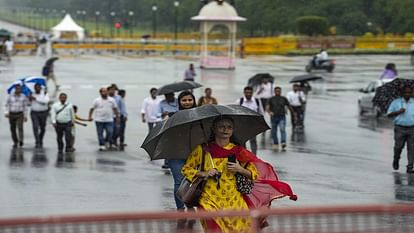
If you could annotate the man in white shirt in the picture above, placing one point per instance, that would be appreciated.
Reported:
(149, 109)
(9, 48)
(297, 100)
(63, 119)
(39, 112)
(105, 109)
(254, 104)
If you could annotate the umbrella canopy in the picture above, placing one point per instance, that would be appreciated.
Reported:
(178, 86)
(177, 136)
(304, 78)
(31, 81)
(51, 60)
(27, 84)
(390, 91)
(25, 90)
(4, 33)
(258, 78)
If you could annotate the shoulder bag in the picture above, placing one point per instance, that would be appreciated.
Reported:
(190, 192)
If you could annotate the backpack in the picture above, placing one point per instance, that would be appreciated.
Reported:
(257, 102)
(45, 71)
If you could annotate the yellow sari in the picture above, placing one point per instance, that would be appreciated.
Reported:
(222, 197)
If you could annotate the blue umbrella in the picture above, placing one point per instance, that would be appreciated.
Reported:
(31, 81)
(27, 84)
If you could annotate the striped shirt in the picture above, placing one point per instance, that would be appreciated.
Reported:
(16, 103)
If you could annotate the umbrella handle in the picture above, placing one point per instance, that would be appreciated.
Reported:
(204, 132)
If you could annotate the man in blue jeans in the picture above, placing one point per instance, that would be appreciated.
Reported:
(276, 108)
(105, 109)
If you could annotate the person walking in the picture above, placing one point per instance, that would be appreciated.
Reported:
(167, 108)
(9, 48)
(39, 111)
(254, 104)
(264, 91)
(78, 121)
(104, 108)
(63, 118)
(186, 100)
(402, 110)
(190, 73)
(297, 99)
(113, 92)
(224, 161)
(207, 98)
(123, 119)
(49, 72)
(276, 108)
(149, 109)
(390, 73)
(15, 109)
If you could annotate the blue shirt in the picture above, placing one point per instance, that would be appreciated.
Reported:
(169, 107)
(406, 118)
(122, 107)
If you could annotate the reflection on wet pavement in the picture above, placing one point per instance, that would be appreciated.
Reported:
(404, 186)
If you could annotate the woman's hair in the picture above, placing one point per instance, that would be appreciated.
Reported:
(185, 93)
(233, 139)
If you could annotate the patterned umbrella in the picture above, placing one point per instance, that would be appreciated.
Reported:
(390, 91)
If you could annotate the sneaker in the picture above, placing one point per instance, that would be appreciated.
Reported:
(70, 150)
(283, 146)
(410, 170)
(165, 166)
(21, 144)
(395, 164)
(275, 147)
(102, 148)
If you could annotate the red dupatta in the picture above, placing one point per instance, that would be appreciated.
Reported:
(267, 186)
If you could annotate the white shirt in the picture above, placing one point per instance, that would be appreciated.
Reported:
(150, 109)
(104, 109)
(264, 91)
(252, 104)
(9, 45)
(293, 98)
(40, 104)
(323, 55)
(64, 116)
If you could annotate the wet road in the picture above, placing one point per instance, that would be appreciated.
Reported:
(339, 159)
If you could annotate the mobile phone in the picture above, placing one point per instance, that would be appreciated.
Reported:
(232, 158)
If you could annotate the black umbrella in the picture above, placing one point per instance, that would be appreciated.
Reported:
(51, 60)
(177, 136)
(305, 78)
(388, 92)
(4, 33)
(178, 86)
(258, 78)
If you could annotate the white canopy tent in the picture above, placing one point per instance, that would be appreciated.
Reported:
(68, 25)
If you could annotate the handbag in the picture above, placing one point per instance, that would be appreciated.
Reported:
(190, 192)
(244, 185)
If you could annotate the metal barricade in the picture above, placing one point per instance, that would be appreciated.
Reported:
(355, 219)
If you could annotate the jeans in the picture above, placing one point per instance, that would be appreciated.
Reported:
(175, 167)
(64, 129)
(253, 145)
(404, 135)
(16, 121)
(108, 127)
(279, 121)
(39, 125)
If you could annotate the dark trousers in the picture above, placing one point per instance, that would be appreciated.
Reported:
(403, 135)
(16, 121)
(64, 129)
(299, 116)
(39, 125)
(121, 132)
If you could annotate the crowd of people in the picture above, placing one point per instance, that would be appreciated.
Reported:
(108, 111)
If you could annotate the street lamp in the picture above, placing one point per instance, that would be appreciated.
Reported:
(112, 23)
(154, 20)
(83, 18)
(97, 14)
(131, 23)
(176, 5)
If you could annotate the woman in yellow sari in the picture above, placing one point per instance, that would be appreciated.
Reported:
(220, 190)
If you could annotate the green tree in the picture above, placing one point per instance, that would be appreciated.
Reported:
(312, 25)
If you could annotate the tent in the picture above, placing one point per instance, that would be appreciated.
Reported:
(67, 25)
